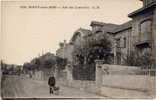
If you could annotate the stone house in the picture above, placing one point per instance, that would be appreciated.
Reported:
(80, 37)
(66, 49)
(123, 42)
(137, 34)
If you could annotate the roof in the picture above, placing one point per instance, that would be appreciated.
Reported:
(109, 27)
(142, 10)
(97, 23)
(122, 27)
(82, 31)
(105, 26)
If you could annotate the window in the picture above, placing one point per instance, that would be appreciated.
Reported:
(145, 30)
(118, 42)
(124, 42)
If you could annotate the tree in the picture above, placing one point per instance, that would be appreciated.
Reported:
(61, 63)
(98, 48)
(93, 48)
(49, 63)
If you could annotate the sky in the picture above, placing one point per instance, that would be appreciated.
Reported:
(29, 32)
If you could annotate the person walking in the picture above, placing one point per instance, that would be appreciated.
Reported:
(51, 83)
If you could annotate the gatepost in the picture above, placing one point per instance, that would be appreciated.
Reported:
(69, 70)
(98, 75)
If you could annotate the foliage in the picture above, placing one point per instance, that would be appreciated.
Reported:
(44, 62)
(137, 59)
(61, 63)
(49, 63)
(93, 48)
(10, 69)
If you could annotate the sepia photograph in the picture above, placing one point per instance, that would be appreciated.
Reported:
(78, 49)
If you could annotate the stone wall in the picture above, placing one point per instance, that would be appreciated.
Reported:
(38, 75)
(124, 79)
(127, 78)
(121, 70)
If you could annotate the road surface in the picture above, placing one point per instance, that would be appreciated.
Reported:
(16, 87)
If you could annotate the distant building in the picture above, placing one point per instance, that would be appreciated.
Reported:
(66, 49)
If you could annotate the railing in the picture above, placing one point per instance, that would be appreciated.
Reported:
(142, 38)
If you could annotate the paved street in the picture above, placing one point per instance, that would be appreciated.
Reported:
(17, 87)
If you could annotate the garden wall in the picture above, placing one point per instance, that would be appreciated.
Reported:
(115, 81)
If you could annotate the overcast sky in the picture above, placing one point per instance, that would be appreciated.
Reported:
(28, 32)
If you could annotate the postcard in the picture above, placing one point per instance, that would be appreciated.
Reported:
(78, 49)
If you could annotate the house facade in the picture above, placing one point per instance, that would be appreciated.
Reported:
(66, 49)
(137, 34)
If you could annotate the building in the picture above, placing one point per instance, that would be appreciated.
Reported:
(137, 34)
(66, 49)
(123, 42)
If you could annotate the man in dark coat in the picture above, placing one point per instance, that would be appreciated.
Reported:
(51, 83)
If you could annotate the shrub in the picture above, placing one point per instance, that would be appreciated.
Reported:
(144, 60)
